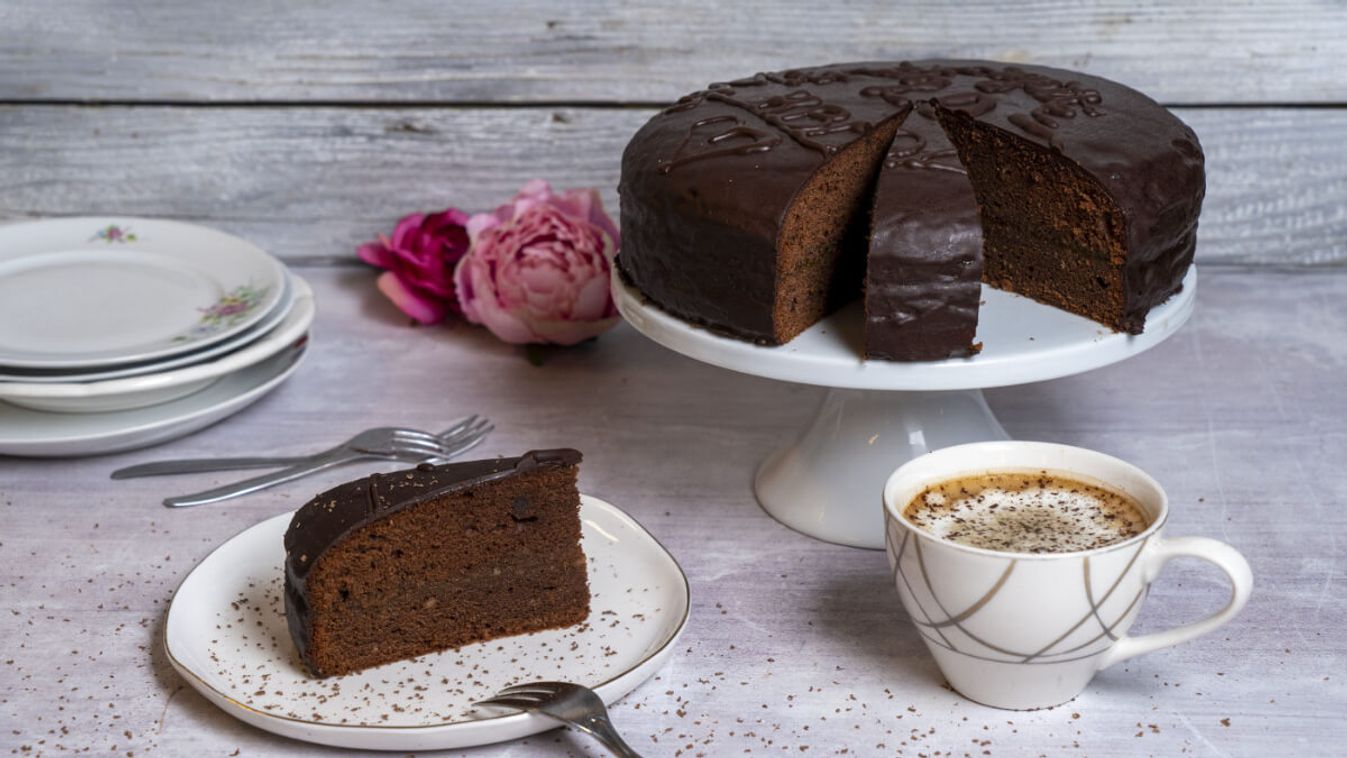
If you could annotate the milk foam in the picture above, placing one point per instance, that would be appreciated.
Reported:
(1026, 513)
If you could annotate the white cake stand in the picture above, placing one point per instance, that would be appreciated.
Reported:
(878, 414)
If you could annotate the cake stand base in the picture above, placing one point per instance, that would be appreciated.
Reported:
(828, 482)
(878, 415)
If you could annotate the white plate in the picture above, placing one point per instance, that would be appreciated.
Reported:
(226, 635)
(40, 434)
(163, 386)
(252, 334)
(91, 292)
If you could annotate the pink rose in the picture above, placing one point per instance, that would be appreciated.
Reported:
(420, 259)
(537, 271)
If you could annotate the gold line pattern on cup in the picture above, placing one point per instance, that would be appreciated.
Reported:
(1043, 660)
(977, 606)
(898, 566)
(1107, 632)
(1089, 597)
(989, 659)
(898, 554)
(1026, 658)
(926, 577)
(1093, 607)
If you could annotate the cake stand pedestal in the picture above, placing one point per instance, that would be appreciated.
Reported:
(878, 415)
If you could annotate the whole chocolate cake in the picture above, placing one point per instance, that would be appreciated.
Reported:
(757, 206)
(397, 565)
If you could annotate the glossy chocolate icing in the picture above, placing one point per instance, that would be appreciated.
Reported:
(707, 183)
(923, 279)
(324, 521)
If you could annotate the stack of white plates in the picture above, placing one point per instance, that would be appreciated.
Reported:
(121, 333)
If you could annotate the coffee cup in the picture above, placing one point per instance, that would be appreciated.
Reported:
(1022, 630)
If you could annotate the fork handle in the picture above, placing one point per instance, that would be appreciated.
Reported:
(601, 729)
(334, 457)
(262, 482)
(203, 465)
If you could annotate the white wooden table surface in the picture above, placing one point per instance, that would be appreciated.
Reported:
(310, 130)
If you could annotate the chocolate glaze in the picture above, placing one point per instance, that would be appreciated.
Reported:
(707, 183)
(923, 280)
(324, 521)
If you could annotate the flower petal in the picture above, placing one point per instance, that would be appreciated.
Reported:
(424, 310)
(374, 253)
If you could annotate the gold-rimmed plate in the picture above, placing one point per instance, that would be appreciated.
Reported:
(226, 635)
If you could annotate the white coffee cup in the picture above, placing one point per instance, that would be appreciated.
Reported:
(1029, 630)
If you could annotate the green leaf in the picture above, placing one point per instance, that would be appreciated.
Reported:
(536, 354)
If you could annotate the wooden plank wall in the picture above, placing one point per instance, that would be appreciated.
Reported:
(1202, 51)
(309, 129)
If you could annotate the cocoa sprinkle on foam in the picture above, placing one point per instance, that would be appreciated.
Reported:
(1026, 513)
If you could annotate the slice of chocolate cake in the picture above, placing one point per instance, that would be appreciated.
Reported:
(923, 279)
(393, 566)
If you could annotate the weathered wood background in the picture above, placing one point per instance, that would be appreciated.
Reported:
(311, 127)
(624, 51)
(348, 114)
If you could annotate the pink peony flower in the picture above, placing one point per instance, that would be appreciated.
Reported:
(420, 259)
(537, 271)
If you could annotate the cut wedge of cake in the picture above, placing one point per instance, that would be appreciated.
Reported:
(397, 565)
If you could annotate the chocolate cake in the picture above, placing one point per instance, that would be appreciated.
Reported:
(757, 206)
(393, 566)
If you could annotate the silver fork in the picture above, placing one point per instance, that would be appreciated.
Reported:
(386, 446)
(571, 704)
(371, 439)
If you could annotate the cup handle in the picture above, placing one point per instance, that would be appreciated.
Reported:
(1225, 557)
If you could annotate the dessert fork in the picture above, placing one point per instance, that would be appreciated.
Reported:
(571, 704)
(387, 447)
(393, 441)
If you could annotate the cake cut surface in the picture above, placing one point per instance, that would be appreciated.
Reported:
(397, 565)
(757, 206)
(821, 247)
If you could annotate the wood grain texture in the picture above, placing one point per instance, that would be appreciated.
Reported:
(313, 183)
(792, 643)
(1210, 51)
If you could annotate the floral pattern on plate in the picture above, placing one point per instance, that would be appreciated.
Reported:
(113, 233)
(232, 308)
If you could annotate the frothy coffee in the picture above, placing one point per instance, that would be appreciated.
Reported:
(1035, 512)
